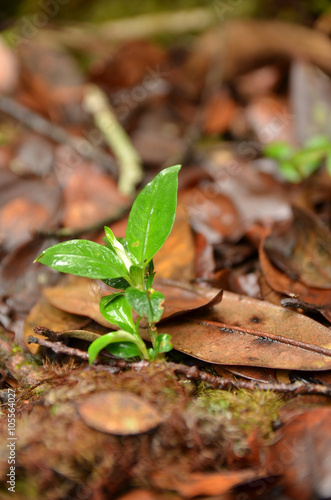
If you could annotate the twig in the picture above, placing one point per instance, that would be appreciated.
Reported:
(193, 373)
(57, 134)
(129, 161)
(68, 232)
(58, 347)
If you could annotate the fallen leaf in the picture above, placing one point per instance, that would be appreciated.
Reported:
(53, 83)
(82, 296)
(301, 454)
(239, 331)
(129, 64)
(303, 249)
(203, 483)
(175, 260)
(211, 213)
(301, 404)
(79, 296)
(280, 282)
(120, 413)
(247, 372)
(257, 196)
(218, 113)
(33, 156)
(25, 206)
(204, 258)
(43, 314)
(140, 494)
(258, 82)
(250, 332)
(20, 278)
(88, 202)
(270, 119)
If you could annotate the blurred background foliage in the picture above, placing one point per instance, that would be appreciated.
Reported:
(303, 11)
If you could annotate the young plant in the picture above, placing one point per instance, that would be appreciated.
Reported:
(127, 265)
(298, 164)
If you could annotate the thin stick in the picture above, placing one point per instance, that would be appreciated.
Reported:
(192, 373)
(129, 161)
(58, 347)
(57, 134)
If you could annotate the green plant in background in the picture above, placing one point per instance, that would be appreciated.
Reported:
(298, 164)
(127, 265)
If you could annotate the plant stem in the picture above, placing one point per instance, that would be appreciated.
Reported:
(152, 331)
(143, 350)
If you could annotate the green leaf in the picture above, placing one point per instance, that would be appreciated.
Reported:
(118, 248)
(289, 172)
(137, 275)
(152, 216)
(149, 274)
(124, 350)
(145, 303)
(163, 343)
(105, 340)
(119, 283)
(318, 142)
(279, 150)
(83, 258)
(149, 281)
(116, 309)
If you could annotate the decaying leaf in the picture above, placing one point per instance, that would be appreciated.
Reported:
(250, 332)
(303, 249)
(208, 483)
(79, 296)
(301, 454)
(280, 282)
(121, 413)
(44, 314)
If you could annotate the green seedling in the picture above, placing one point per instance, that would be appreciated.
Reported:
(298, 164)
(127, 265)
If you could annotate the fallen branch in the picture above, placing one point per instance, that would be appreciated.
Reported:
(192, 373)
(57, 134)
(129, 161)
(58, 347)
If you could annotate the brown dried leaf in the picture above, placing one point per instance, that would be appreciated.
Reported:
(211, 213)
(203, 483)
(90, 196)
(120, 413)
(248, 372)
(82, 296)
(25, 206)
(79, 296)
(301, 455)
(302, 250)
(218, 113)
(250, 332)
(282, 283)
(43, 314)
(175, 260)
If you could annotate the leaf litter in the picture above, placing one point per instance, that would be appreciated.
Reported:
(113, 432)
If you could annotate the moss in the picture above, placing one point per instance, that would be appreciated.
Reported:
(248, 409)
(15, 348)
(24, 362)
